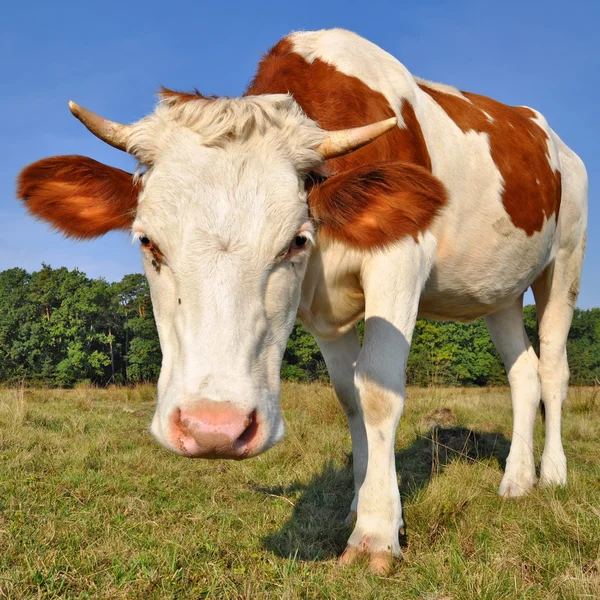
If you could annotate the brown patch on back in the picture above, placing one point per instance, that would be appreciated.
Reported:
(339, 101)
(80, 196)
(364, 207)
(519, 148)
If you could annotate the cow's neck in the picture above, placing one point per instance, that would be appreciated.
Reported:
(332, 298)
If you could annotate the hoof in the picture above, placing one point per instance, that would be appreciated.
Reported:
(349, 556)
(380, 562)
(512, 491)
(553, 480)
(518, 484)
(554, 470)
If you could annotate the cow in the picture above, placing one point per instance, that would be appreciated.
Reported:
(338, 187)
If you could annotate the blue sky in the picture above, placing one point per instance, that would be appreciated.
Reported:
(112, 56)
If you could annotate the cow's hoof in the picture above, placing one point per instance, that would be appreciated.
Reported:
(380, 562)
(349, 556)
(554, 469)
(350, 519)
(518, 479)
(514, 489)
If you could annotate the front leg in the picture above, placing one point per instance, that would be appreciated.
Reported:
(392, 282)
(340, 357)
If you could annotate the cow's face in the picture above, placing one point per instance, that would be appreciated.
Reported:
(220, 211)
(225, 237)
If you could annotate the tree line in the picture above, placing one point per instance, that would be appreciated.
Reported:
(59, 327)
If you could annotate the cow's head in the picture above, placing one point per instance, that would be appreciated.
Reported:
(220, 208)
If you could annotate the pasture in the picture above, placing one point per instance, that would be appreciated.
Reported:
(92, 507)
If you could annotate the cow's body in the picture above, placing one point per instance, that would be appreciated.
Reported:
(453, 214)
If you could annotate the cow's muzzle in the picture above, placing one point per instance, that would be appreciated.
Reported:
(214, 430)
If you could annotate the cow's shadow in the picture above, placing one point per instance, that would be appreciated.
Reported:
(316, 529)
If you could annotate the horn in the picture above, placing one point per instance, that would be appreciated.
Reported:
(341, 142)
(110, 132)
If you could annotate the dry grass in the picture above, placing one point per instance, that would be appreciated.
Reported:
(91, 507)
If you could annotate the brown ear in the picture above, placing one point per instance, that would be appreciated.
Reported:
(374, 205)
(79, 196)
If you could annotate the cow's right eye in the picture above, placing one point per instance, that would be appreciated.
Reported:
(145, 241)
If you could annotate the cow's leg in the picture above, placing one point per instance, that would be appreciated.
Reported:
(340, 357)
(508, 334)
(392, 284)
(555, 294)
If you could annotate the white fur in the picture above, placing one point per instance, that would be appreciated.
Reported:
(216, 121)
(222, 199)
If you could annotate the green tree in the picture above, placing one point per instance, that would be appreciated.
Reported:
(16, 319)
(142, 355)
(583, 347)
(302, 360)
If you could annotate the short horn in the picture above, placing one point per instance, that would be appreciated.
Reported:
(110, 132)
(338, 143)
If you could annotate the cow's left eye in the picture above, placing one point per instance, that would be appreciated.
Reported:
(152, 251)
(297, 245)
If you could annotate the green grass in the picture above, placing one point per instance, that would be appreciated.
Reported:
(91, 507)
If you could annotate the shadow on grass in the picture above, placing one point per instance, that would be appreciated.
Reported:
(316, 529)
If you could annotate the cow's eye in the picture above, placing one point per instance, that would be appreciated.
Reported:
(299, 241)
(152, 251)
(297, 245)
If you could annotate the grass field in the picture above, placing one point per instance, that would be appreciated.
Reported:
(91, 507)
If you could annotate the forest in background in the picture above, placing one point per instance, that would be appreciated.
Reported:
(59, 327)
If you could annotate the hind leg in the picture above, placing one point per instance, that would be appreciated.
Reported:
(555, 294)
(508, 334)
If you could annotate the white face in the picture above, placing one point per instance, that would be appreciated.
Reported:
(232, 227)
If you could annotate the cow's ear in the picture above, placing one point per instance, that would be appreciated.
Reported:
(79, 196)
(375, 205)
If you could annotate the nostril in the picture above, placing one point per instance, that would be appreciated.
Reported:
(249, 433)
(180, 431)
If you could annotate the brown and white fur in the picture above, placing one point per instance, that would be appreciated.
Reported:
(452, 215)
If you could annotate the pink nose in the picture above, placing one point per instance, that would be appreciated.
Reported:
(214, 430)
